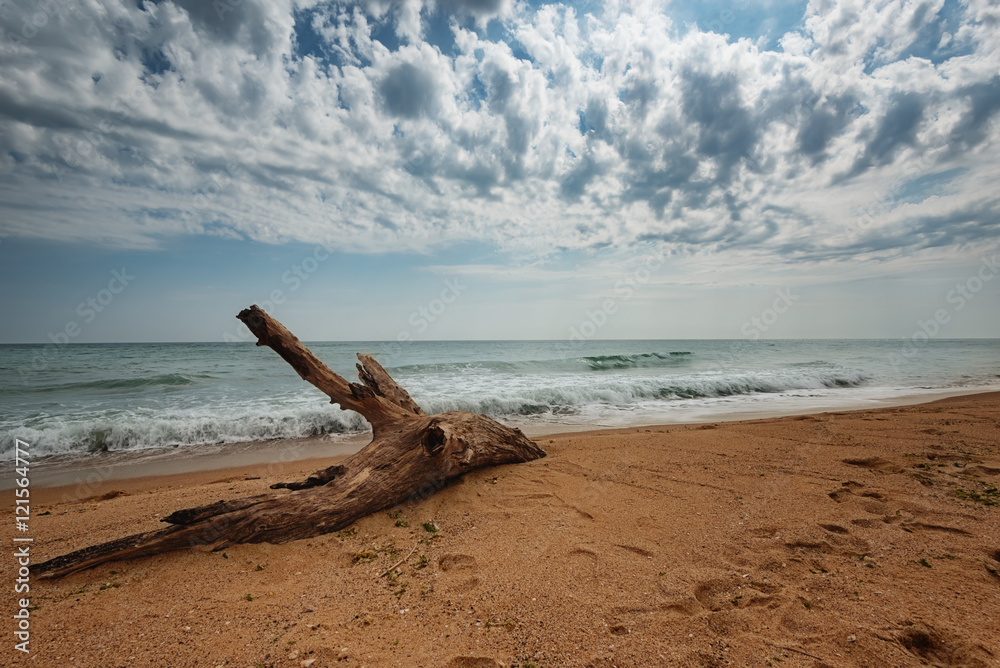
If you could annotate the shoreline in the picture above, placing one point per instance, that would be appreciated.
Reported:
(65, 472)
(300, 457)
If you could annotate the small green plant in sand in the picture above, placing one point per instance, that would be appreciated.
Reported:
(989, 496)
(364, 556)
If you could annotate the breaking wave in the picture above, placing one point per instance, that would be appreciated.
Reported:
(573, 394)
(144, 429)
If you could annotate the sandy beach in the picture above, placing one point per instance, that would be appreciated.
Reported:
(867, 538)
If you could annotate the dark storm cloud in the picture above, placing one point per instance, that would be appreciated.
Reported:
(408, 91)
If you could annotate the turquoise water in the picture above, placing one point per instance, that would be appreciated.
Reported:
(81, 399)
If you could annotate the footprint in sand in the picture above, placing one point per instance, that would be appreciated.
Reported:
(719, 600)
(992, 568)
(714, 595)
(846, 491)
(870, 500)
(473, 662)
(938, 648)
(837, 540)
(834, 528)
(457, 562)
(636, 550)
(722, 595)
(866, 522)
(810, 543)
(688, 607)
(876, 464)
(459, 571)
(627, 620)
(910, 527)
(982, 471)
(582, 562)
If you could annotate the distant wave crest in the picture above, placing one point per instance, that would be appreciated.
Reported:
(166, 380)
(555, 399)
(602, 362)
(568, 363)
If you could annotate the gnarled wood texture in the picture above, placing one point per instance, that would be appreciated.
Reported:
(411, 455)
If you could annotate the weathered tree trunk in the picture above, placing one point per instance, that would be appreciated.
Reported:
(411, 455)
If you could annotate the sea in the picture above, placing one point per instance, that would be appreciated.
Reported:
(84, 400)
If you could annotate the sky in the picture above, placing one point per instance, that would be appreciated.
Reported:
(498, 169)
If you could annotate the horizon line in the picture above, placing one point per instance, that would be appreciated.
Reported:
(395, 342)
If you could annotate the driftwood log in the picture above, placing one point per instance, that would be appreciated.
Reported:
(411, 455)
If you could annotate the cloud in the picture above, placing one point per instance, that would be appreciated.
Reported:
(727, 131)
(983, 100)
(822, 124)
(404, 125)
(898, 127)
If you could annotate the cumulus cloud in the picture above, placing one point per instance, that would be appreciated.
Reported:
(404, 124)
